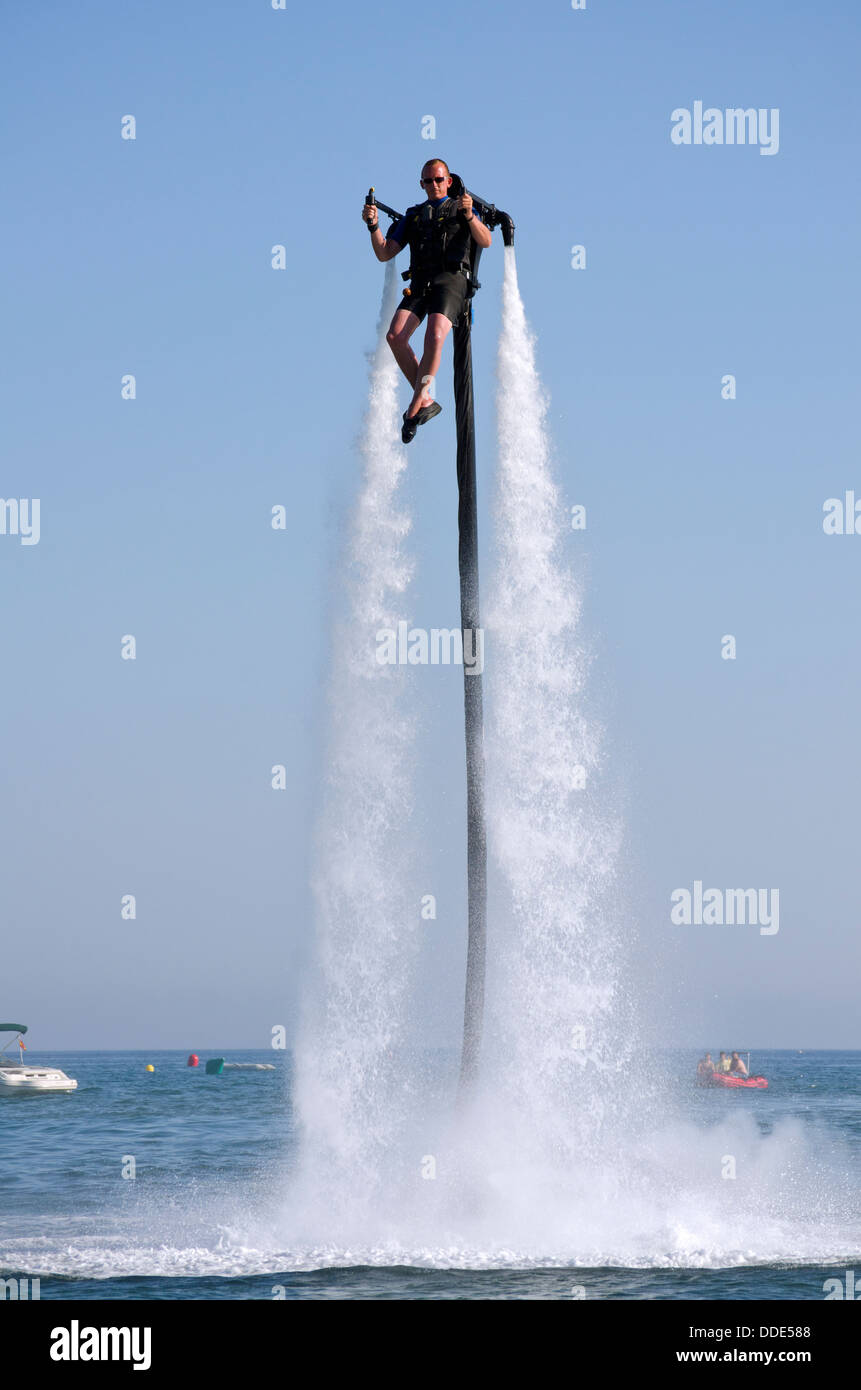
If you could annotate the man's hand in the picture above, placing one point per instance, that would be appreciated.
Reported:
(477, 230)
(371, 216)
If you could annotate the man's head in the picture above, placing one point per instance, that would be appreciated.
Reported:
(435, 178)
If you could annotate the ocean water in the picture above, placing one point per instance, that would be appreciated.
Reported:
(217, 1208)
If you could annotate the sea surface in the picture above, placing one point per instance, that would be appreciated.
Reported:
(207, 1213)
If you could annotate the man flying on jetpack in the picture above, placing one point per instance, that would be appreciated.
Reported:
(438, 232)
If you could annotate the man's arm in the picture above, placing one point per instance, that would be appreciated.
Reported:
(480, 233)
(385, 248)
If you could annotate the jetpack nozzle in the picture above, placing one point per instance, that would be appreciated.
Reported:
(507, 227)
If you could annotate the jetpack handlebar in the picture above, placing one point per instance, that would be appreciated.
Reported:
(373, 202)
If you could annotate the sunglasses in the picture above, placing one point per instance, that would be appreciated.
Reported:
(440, 180)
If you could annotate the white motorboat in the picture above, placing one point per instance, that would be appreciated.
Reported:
(26, 1076)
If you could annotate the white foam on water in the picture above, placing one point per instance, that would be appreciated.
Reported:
(667, 1208)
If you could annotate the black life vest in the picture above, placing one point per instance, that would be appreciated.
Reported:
(439, 239)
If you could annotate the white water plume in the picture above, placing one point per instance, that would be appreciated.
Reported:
(558, 1015)
(346, 1076)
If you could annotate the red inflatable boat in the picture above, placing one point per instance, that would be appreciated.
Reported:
(732, 1080)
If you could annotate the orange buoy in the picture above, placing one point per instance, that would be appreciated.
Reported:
(193, 1060)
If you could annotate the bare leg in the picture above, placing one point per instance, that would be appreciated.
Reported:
(438, 330)
(403, 326)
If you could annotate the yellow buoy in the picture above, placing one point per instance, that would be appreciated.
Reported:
(150, 1067)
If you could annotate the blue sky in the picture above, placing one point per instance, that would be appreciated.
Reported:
(258, 127)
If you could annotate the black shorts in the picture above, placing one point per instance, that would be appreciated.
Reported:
(444, 294)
